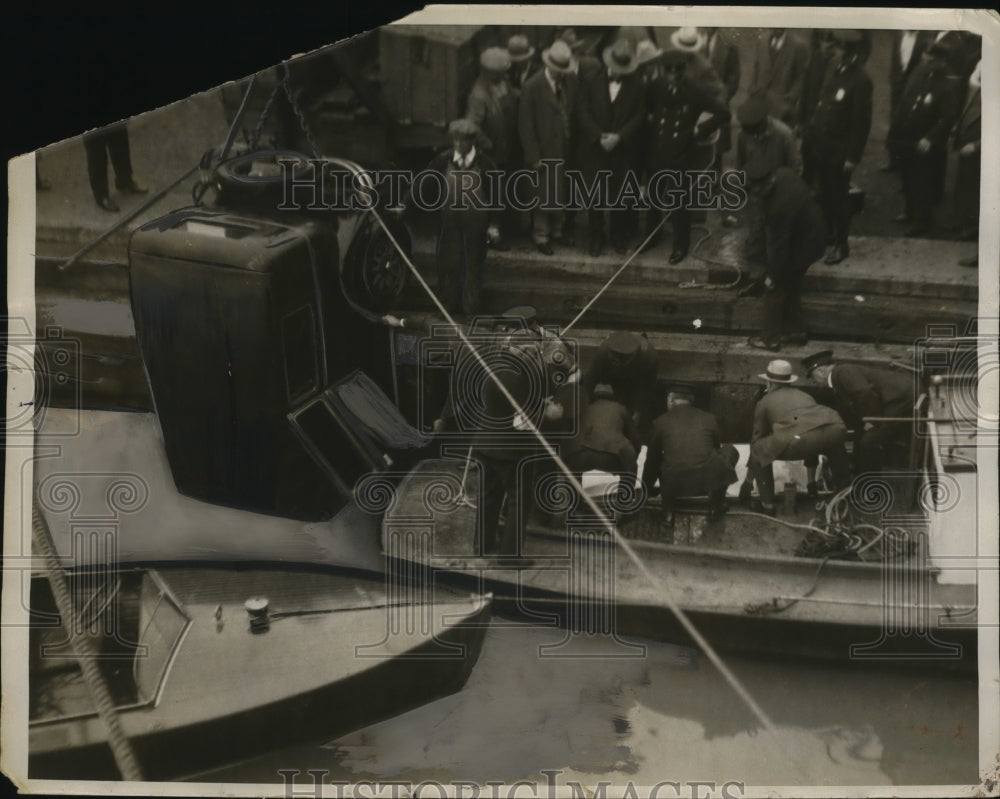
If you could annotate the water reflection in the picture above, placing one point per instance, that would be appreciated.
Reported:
(668, 716)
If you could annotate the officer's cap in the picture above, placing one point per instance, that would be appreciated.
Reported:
(603, 391)
(684, 390)
(817, 359)
(623, 343)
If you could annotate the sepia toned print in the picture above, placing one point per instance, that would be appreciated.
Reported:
(550, 405)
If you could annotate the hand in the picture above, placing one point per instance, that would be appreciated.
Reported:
(609, 141)
(438, 425)
(393, 321)
(868, 426)
(849, 167)
(924, 146)
(553, 410)
(492, 234)
(969, 149)
(768, 284)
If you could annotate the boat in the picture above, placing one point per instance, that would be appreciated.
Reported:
(208, 665)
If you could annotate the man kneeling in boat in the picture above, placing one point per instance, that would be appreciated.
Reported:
(685, 454)
(866, 393)
(790, 425)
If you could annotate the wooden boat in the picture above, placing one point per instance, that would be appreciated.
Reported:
(197, 685)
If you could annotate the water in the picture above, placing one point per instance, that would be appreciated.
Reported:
(666, 716)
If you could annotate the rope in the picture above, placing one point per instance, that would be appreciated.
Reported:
(84, 651)
(265, 112)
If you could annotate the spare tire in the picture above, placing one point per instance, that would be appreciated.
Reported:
(261, 180)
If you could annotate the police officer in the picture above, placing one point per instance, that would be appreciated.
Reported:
(919, 133)
(675, 103)
(864, 392)
(837, 134)
(628, 363)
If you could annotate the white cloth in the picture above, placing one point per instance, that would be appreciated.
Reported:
(614, 87)
(466, 162)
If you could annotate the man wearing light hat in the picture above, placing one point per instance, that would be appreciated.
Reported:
(796, 237)
(699, 69)
(611, 110)
(863, 392)
(837, 134)
(790, 425)
(545, 115)
(686, 455)
(522, 58)
(466, 220)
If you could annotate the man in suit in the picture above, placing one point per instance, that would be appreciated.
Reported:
(919, 132)
(675, 105)
(606, 439)
(790, 425)
(523, 62)
(779, 69)
(837, 134)
(968, 144)
(628, 363)
(908, 47)
(796, 237)
(610, 115)
(492, 105)
(821, 57)
(545, 120)
(467, 223)
(687, 457)
(113, 140)
(762, 138)
(868, 391)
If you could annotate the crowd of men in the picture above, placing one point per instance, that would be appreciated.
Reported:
(639, 109)
(601, 418)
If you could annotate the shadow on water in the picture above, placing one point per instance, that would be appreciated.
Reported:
(666, 716)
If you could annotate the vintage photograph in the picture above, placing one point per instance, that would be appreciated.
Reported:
(566, 402)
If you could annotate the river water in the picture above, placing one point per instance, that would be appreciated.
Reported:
(667, 715)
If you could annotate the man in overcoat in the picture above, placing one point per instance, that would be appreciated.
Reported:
(779, 69)
(908, 46)
(611, 112)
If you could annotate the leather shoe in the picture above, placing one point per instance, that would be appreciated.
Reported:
(544, 248)
(678, 255)
(108, 205)
(836, 254)
(761, 343)
(132, 187)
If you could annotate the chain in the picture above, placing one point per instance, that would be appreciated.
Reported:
(263, 118)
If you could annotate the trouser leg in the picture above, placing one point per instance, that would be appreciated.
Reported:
(121, 159)
(97, 163)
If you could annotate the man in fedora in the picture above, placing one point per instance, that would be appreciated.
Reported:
(674, 107)
(790, 425)
(522, 60)
(837, 133)
(610, 111)
(692, 42)
(467, 222)
(779, 69)
(867, 396)
(795, 239)
(545, 118)
(686, 455)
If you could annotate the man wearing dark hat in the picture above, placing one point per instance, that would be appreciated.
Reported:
(790, 425)
(866, 391)
(796, 236)
(606, 439)
(545, 117)
(675, 105)
(687, 456)
(837, 134)
(628, 363)
(919, 132)
(770, 141)
(779, 69)
(466, 221)
(611, 109)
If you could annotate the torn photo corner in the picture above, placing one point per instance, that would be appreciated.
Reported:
(569, 401)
